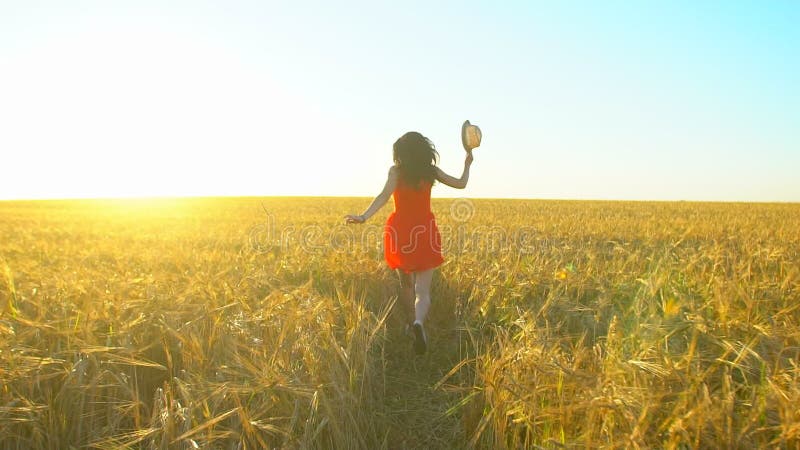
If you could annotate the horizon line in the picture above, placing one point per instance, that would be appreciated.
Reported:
(227, 196)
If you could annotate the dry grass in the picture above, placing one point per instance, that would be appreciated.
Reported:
(205, 323)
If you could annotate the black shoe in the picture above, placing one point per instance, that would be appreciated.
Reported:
(420, 340)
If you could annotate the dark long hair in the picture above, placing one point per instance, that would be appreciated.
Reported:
(416, 158)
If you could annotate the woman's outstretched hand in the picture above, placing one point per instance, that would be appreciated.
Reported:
(348, 219)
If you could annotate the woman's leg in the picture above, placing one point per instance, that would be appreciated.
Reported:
(422, 288)
(407, 295)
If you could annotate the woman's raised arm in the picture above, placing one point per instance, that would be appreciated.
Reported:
(458, 183)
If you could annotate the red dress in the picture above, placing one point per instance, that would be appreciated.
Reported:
(411, 240)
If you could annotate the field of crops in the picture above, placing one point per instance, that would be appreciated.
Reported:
(266, 323)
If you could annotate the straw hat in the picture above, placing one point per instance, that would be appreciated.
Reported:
(470, 135)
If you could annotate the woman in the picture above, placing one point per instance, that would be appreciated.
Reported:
(411, 240)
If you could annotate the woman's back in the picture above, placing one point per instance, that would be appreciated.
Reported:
(411, 202)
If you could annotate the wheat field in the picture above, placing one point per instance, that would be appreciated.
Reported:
(244, 323)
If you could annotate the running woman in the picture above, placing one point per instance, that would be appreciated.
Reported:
(411, 241)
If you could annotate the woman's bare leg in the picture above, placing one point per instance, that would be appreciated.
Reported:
(407, 295)
(422, 288)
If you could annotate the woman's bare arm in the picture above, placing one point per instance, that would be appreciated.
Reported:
(379, 201)
(458, 183)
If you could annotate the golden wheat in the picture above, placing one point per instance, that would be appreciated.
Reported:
(263, 323)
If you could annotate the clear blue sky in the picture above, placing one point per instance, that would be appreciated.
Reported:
(594, 100)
